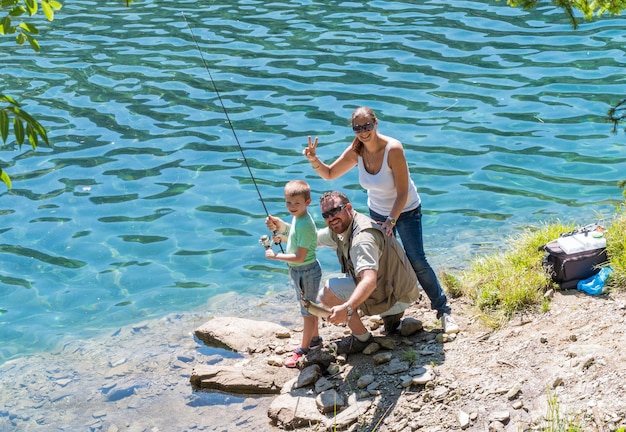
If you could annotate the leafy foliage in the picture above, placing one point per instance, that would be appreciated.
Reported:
(11, 112)
(24, 127)
(588, 8)
(617, 114)
(25, 32)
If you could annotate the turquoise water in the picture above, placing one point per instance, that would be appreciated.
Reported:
(144, 204)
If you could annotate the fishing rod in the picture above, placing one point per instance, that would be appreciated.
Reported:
(219, 97)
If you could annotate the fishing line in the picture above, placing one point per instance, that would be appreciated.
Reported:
(219, 97)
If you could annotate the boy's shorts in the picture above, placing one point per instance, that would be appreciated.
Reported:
(344, 286)
(306, 279)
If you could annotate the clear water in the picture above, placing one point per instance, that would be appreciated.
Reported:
(145, 205)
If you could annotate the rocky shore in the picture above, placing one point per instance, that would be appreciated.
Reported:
(139, 378)
(540, 369)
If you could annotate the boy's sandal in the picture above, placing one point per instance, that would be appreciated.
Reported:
(292, 361)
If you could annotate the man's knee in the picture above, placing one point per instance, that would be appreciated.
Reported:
(328, 297)
(336, 291)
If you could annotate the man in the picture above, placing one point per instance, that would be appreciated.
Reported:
(379, 277)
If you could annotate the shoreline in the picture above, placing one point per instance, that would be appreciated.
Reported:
(135, 377)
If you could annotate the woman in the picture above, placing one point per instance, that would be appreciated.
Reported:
(392, 197)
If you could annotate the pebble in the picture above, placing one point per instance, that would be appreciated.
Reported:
(323, 384)
(397, 366)
(371, 349)
(464, 419)
(518, 404)
(500, 416)
(422, 379)
(386, 343)
(383, 357)
(558, 381)
(365, 381)
(514, 392)
(275, 361)
(329, 401)
(118, 362)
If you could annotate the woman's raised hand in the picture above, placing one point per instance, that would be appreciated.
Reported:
(309, 151)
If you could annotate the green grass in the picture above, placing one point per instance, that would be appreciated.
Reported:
(410, 356)
(556, 421)
(504, 284)
(616, 249)
(501, 285)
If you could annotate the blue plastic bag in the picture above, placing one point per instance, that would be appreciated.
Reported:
(595, 284)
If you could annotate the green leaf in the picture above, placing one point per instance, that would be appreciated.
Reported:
(18, 128)
(48, 10)
(5, 25)
(32, 6)
(32, 136)
(20, 39)
(5, 178)
(30, 120)
(29, 28)
(17, 11)
(33, 43)
(9, 99)
(23, 115)
(4, 126)
(49, 6)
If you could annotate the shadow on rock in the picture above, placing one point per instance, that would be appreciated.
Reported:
(326, 390)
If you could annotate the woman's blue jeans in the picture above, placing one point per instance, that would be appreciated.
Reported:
(409, 228)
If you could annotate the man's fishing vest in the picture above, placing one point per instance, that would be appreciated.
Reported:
(396, 280)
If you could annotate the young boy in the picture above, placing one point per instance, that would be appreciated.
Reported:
(304, 269)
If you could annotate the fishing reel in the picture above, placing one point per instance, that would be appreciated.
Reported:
(266, 241)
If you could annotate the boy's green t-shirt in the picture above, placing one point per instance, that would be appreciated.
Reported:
(303, 233)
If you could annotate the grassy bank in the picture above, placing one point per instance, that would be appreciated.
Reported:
(502, 285)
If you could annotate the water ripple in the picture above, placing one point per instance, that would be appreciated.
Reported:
(146, 205)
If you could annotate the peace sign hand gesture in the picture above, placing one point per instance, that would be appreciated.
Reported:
(309, 152)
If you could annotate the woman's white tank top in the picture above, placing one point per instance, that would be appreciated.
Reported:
(381, 188)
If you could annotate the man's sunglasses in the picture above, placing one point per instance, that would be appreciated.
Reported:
(333, 212)
(365, 128)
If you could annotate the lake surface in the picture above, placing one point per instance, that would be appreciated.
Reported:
(147, 202)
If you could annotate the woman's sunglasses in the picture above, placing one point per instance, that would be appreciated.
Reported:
(333, 212)
(365, 128)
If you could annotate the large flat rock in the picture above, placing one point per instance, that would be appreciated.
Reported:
(240, 334)
(245, 379)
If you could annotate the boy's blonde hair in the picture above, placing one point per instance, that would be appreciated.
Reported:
(298, 187)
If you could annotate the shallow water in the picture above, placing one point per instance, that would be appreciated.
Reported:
(147, 203)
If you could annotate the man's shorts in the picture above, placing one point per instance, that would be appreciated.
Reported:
(344, 286)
